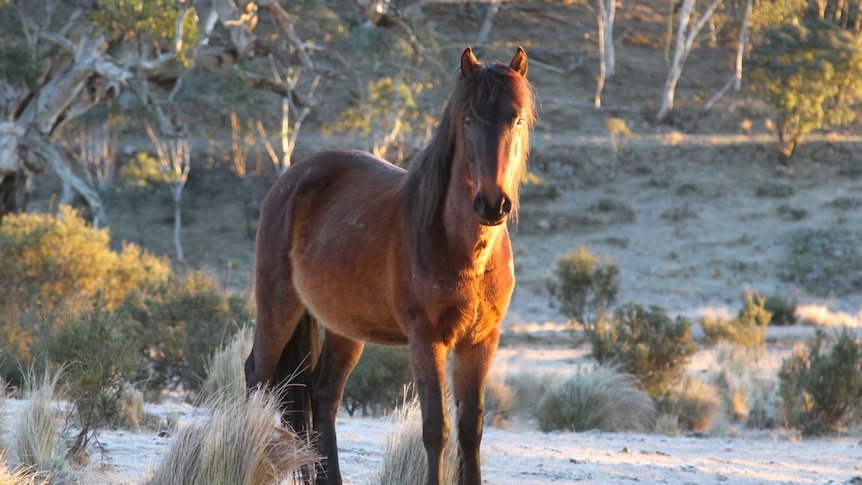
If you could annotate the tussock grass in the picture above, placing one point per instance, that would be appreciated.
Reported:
(692, 404)
(226, 371)
(404, 459)
(241, 444)
(37, 443)
(603, 399)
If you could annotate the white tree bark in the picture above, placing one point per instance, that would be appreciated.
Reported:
(50, 155)
(741, 46)
(605, 15)
(174, 159)
(685, 37)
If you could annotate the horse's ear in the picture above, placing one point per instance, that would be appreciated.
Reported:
(469, 64)
(519, 62)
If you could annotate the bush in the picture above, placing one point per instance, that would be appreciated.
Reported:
(604, 399)
(585, 288)
(647, 344)
(747, 329)
(783, 310)
(820, 390)
(98, 362)
(53, 264)
(377, 382)
(178, 324)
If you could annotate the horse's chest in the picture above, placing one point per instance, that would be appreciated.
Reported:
(468, 312)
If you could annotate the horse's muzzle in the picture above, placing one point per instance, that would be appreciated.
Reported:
(491, 213)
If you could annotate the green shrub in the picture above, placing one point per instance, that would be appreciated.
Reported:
(98, 361)
(646, 343)
(783, 310)
(747, 329)
(179, 324)
(604, 399)
(584, 287)
(821, 390)
(377, 382)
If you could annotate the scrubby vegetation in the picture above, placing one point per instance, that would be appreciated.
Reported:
(648, 344)
(747, 329)
(821, 389)
(584, 287)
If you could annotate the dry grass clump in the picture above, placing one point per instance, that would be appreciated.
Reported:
(603, 399)
(241, 444)
(225, 368)
(499, 401)
(404, 460)
(21, 475)
(691, 405)
(37, 443)
(132, 414)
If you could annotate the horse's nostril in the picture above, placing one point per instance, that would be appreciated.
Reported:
(505, 206)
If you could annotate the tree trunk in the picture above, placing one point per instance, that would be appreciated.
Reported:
(606, 12)
(177, 193)
(685, 37)
(742, 44)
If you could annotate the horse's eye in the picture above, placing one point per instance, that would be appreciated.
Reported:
(468, 121)
(519, 122)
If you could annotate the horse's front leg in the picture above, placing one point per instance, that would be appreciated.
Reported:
(472, 362)
(429, 369)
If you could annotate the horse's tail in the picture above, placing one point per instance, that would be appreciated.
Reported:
(293, 375)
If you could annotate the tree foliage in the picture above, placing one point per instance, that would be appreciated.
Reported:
(52, 264)
(811, 74)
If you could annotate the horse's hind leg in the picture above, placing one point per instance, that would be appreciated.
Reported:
(337, 359)
(468, 381)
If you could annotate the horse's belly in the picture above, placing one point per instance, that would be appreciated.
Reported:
(351, 308)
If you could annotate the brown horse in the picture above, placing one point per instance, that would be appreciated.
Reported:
(378, 254)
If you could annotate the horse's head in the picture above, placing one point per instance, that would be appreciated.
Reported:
(492, 129)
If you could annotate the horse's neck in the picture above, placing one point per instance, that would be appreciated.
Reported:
(466, 238)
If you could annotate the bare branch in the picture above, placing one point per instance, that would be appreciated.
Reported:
(50, 155)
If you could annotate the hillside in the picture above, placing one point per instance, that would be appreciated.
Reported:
(694, 212)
